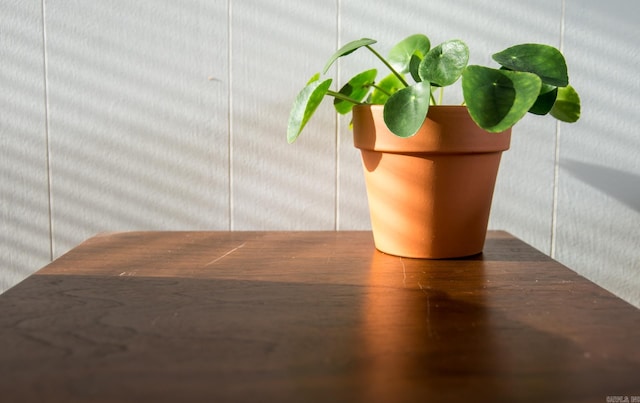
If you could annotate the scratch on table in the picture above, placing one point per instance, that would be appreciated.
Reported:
(404, 273)
(429, 332)
(226, 254)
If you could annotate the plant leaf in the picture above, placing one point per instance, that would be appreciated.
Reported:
(400, 55)
(444, 64)
(545, 100)
(567, 106)
(405, 111)
(385, 88)
(313, 78)
(414, 65)
(498, 99)
(544, 60)
(357, 88)
(346, 49)
(305, 105)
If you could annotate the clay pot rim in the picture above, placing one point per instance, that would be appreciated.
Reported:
(447, 129)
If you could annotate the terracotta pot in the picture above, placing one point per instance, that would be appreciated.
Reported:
(430, 194)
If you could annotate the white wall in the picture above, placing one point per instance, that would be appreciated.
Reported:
(119, 115)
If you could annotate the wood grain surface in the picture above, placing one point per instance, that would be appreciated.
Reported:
(310, 317)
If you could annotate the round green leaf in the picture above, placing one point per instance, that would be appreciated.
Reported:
(346, 49)
(357, 88)
(444, 64)
(400, 55)
(567, 106)
(498, 99)
(385, 88)
(544, 60)
(305, 104)
(405, 111)
(545, 100)
(414, 65)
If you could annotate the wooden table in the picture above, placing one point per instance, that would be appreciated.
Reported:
(311, 316)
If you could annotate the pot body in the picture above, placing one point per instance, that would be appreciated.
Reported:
(429, 195)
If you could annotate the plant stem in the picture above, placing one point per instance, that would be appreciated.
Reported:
(382, 90)
(343, 97)
(432, 99)
(386, 63)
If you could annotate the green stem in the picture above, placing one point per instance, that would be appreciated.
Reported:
(343, 97)
(382, 90)
(386, 63)
(432, 98)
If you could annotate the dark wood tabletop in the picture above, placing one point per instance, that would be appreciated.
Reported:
(311, 317)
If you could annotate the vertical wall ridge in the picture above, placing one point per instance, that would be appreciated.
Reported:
(45, 78)
(336, 223)
(230, 113)
(556, 158)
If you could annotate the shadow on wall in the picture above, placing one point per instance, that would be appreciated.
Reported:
(621, 185)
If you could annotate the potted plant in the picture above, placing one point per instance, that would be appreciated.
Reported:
(430, 169)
